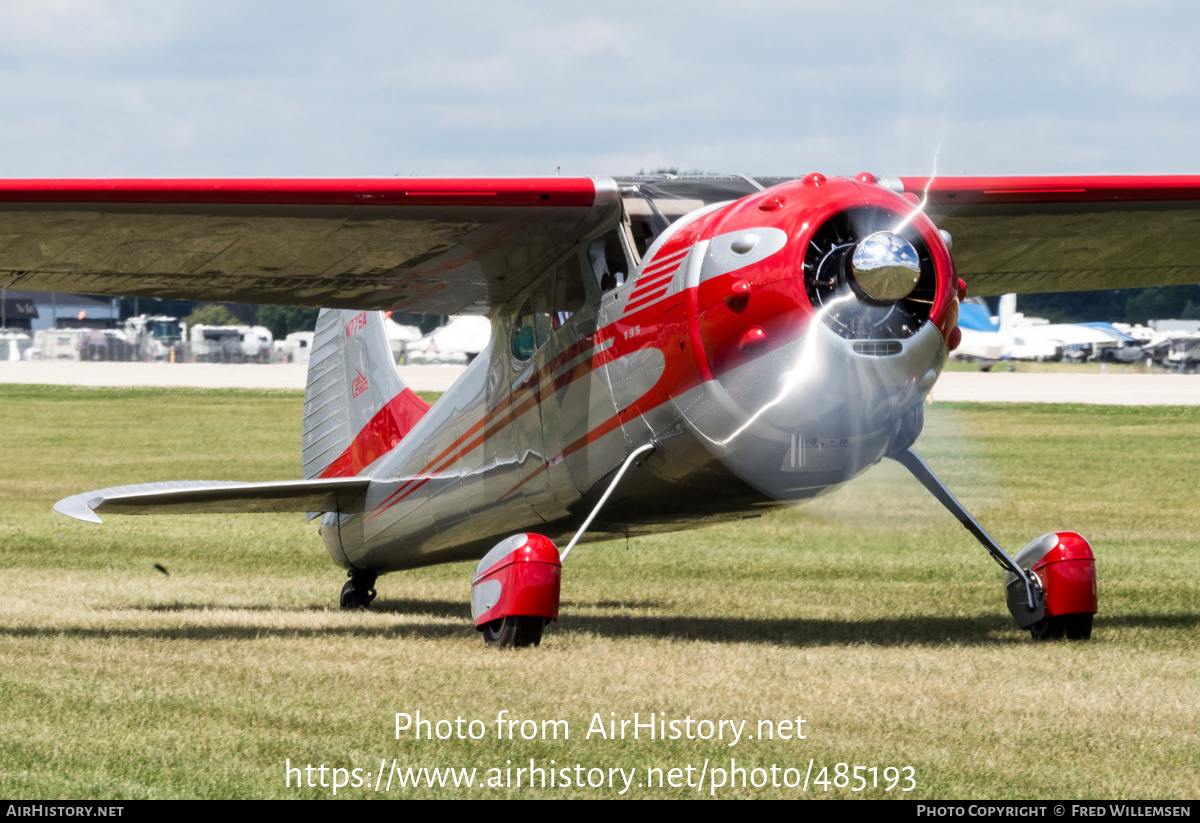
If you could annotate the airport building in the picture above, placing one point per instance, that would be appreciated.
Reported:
(33, 310)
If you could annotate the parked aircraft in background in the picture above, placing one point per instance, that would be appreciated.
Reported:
(400, 338)
(664, 352)
(1012, 336)
(14, 344)
(459, 341)
(1179, 350)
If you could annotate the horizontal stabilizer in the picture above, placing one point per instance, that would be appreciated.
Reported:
(343, 494)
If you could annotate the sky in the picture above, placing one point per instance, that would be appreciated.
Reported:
(102, 88)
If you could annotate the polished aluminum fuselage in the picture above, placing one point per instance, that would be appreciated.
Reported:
(529, 445)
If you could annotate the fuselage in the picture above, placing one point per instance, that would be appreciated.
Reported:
(726, 331)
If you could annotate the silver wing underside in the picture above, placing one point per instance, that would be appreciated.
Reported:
(1054, 234)
(441, 247)
(449, 246)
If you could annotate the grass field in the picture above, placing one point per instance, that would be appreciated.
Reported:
(870, 613)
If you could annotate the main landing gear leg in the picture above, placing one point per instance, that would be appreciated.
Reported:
(1050, 586)
(629, 461)
(359, 590)
(515, 590)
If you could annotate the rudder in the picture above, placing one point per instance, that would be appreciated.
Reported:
(356, 407)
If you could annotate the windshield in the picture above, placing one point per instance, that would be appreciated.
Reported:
(166, 331)
(654, 203)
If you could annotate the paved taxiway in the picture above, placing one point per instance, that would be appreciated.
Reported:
(197, 375)
(1011, 387)
(1106, 389)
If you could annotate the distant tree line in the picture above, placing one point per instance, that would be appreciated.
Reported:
(1113, 305)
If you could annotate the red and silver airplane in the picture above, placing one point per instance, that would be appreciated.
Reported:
(666, 352)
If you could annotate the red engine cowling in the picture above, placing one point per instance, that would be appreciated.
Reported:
(806, 373)
(521, 576)
(759, 306)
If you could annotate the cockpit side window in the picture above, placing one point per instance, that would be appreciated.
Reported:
(523, 343)
(531, 325)
(570, 294)
(541, 313)
(609, 263)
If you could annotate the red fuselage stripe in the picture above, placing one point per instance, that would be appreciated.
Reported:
(646, 284)
(658, 265)
(642, 302)
(499, 423)
(572, 351)
(510, 409)
(501, 415)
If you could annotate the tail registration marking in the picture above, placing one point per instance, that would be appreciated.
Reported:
(356, 324)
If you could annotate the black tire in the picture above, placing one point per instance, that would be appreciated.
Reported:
(1049, 628)
(355, 597)
(1079, 626)
(514, 631)
(1070, 626)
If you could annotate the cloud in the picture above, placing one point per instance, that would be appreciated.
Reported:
(79, 30)
(292, 89)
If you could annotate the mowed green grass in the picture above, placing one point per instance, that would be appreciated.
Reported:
(870, 613)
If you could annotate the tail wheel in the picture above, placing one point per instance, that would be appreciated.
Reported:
(358, 592)
(1070, 626)
(517, 631)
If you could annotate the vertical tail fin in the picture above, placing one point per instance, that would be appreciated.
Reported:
(356, 407)
(1008, 310)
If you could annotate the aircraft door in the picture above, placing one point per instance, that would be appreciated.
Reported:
(530, 392)
(592, 447)
(571, 319)
(489, 469)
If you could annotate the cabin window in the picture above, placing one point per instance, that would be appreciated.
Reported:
(569, 293)
(523, 343)
(542, 308)
(609, 263)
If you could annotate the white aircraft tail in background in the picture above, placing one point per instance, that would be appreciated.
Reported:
(1012, 336)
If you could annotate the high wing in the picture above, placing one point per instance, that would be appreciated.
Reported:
(1050, 234)
(467, 245)
(425, 245)
(345, 495)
